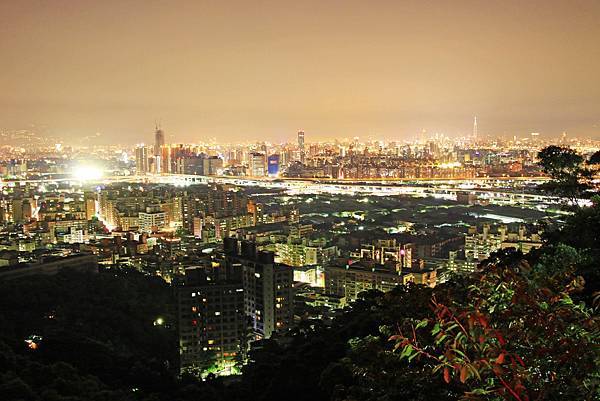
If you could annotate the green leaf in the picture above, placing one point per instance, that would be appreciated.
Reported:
(441, 339)
(422, 323)
(407, 351)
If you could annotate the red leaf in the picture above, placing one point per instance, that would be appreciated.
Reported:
(446, 375)
(500, 359)
(464, 374)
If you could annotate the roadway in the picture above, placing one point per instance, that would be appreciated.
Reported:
(497, 190)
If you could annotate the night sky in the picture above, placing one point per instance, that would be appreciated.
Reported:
(245, 70)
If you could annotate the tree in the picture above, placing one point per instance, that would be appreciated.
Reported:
(517, 335)
(570, 178)
(594, 159)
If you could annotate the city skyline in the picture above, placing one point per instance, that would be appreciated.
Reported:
(388, 70)
(304, 201)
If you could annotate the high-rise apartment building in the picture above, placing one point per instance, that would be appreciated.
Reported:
(268, 287)
(212, 323)
(152, 219)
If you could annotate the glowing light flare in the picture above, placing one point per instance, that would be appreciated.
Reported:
(87, 173)
(450, 165)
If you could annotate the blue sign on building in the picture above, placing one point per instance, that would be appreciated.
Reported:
(273, 165)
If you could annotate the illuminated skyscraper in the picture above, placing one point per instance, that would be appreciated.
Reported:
(475, 128)
(141, 160)
(301, 140)
(257, 165)
(273, 165)
(159, 141)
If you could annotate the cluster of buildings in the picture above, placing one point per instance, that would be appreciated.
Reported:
(210, 213)
(436, 157)
(241, 293)
(242, 270)
(480, 244)
(54, 216)
(246, 268)
(161, 158)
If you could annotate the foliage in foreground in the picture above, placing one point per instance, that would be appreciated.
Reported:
(518, 336)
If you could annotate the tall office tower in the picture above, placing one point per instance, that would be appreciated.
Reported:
(273, 165)
(213, 165)
(475, 128)
(268, 287)
(142, 164)
(211, 316)
(257, 165)
(301, 140)
(159, 141)
(164, 165)
(193, 165)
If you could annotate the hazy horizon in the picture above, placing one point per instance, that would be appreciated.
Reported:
(239, 70)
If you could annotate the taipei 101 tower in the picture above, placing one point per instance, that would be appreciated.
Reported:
(159, 141)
